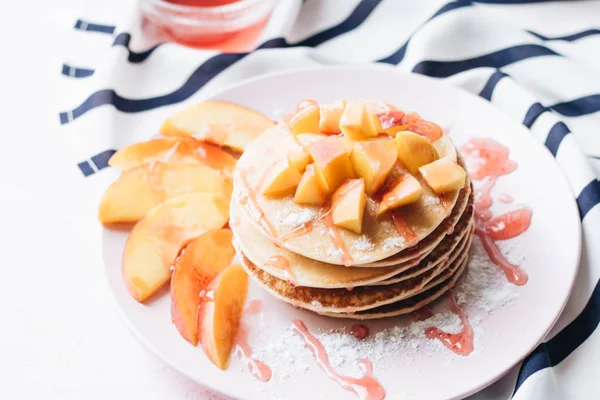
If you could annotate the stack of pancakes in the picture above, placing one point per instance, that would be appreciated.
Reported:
(390, 269)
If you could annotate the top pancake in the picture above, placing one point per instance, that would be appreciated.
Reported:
(379, 238)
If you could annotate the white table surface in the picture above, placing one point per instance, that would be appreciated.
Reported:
(60, 335)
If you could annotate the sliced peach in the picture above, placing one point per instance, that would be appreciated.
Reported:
(199, 263)
(156, 240)
(305, 120)
(218, 122)
(405, 190)
(373, 160)
(220, 311)
(414, 151)
(280, 179)
(332, 162)
(444, 175)
(299, 159)
(308, 139)
(172, 149)
(310, 189)
(329, 123)
(348, 205)
(136, 191)
(357, 122)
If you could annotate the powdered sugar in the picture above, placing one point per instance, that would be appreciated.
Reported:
(363, 244)
(431, 201)
(392, 243)
(284, 352)
(295, 219)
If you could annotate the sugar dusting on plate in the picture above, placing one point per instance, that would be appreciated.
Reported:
(482, 290)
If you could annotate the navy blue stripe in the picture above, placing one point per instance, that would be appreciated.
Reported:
(497, 59)
(355, 19)
(569, 38)
(74, 72)
(397, 56)
(123, 39)
(566, 341)
(533, 113)
(588, 198)
(489, 87)
(578, 107)
(85, 168)
(100, 160)
(556, 136)
(203, 74)
(90, 27)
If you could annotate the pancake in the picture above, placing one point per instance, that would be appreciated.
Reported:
(458, 244)
(312, 273)
(422, 217)
(409, 305)
(342, 300)
(421, 249)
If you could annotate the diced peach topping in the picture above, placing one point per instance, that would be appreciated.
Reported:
(310, 189)
(414, 151)
(332, 162)
(281, 179)
(329, 123)
(299, 159)
(373, 160)
(405, 190)
(357, 122)
(348, 205)
(305, 120)
(444, 175)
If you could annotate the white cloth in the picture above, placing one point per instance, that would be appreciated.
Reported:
(538, 62)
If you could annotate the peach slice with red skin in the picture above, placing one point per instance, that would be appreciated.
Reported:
(172, 149)
(138, 190)
(218, 122)
(199, 263)
(219, 314)
(157, 239)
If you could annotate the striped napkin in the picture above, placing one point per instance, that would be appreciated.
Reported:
(539, 62)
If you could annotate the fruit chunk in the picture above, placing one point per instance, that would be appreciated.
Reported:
(199, 263)
(305, 120)
(136, 191)
(348, 205)
(414, 151)
(329, 123)
(308, 139)
(373, 160)
(155, 241)
(219, 314)
(357, 122)
(392, 122)
(332, 162)
(280, 179)
(218, 122)
(299, 159)
(444, 175)
(172, 149)
(427, 129)
(310, 189)
(405, 190)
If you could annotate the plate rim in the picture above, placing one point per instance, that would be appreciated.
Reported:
(215, 93)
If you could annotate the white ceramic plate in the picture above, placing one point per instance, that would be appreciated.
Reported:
(549, 252)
